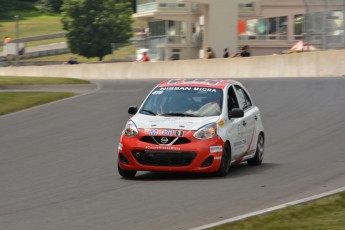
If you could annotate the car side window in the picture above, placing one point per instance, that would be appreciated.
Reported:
(243, 98)
(232, 100)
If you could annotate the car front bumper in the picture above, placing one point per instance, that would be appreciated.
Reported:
(194, 156)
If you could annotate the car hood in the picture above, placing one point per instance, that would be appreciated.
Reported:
(161, 122)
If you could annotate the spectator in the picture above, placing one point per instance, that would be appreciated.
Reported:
(72, 61)
(245, 51)
(226, 53)
(7, 40)
(145, 57)
(209, 53)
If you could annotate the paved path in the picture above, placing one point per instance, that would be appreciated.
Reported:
(32, 49)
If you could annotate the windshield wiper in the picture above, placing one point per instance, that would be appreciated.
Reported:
(179, 114)
(148, 111)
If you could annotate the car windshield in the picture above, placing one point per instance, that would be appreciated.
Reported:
(183, 101)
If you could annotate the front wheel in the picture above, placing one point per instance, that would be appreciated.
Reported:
(259, 154)
(128, 174)
(225, 163)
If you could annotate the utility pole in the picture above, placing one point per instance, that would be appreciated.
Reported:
(306, 26)
(16, 18)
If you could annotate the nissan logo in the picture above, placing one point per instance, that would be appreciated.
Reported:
(164, 140)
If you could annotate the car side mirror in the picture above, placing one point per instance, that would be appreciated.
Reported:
(133, 109)
(236, 113)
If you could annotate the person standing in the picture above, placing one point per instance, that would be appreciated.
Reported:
(226, 53)
(209, 53)
(7, 40)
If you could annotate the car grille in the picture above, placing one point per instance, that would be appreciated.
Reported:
(164, 158)
(168, 140)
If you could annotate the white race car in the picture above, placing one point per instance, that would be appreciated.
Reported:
(192, 125)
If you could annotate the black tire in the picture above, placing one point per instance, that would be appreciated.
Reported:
(128, 174)
(259, 153)
(225, 163)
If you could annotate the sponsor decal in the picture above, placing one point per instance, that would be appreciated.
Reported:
(239, 131)
(221, 123)
(164, 132)
(182, 88)
(241, 142)
(119, 147)
(167, 132)
(196, 81)
(214, 149)
(157, 92)
(217, 158)
(179, 133)
(162, 148)
(153, 132)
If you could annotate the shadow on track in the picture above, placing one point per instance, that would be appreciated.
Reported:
(239, 170)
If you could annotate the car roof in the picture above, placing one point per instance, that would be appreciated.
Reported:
(209, 83)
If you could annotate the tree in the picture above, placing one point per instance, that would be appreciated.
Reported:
(53, 5)
(92, 25)
(10, 8)
(4, 7)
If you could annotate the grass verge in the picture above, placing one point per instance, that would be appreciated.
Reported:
(31, 25)
(17, 80)
(324, 214)
(15, 101)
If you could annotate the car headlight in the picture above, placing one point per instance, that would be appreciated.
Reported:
(130, 129)
(206, 132)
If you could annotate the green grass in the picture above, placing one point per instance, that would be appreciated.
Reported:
(15, 101)
(17, 80)
(34, 23)
(31, 24)
(324, 214)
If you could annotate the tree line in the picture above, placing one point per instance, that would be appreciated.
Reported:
(54, 6)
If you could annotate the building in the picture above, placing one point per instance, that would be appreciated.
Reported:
(183, 29)
(271, 26)
(174, 30)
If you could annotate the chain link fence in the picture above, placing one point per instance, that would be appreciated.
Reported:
(324, 23)
(124, 51)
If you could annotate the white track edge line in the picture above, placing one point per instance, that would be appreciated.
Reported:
(267, 210)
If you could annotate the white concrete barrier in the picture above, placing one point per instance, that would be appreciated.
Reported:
(308, 64)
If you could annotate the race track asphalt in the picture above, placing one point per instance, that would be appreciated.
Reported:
(58, 161)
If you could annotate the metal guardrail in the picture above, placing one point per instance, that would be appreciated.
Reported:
(38, 38)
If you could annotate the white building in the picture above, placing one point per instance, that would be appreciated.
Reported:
(183, 29)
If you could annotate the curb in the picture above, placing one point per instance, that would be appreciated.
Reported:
(275, 208)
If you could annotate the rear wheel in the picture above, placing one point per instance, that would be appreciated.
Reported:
(225, 163)
(126, 173)
(259, 154)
